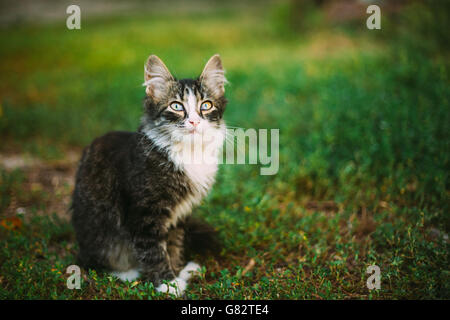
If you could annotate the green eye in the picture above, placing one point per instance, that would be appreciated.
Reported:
(176, 106)
(206, 106)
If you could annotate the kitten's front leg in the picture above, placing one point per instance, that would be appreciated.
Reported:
(179, 284)
(150, 242)
(156, 264)
(175, 245)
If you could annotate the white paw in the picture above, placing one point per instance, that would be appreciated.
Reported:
(190, 269)
(129, 275)
(175, 287)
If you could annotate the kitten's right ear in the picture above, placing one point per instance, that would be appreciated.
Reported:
(157, 77)
(213, 75)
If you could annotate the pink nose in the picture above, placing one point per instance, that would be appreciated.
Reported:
(194, 123)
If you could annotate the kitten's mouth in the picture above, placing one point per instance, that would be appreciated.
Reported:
(193, 131)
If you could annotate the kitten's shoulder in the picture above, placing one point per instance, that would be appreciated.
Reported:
(112, 145)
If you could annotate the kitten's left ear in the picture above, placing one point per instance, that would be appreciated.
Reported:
(213, 76)
(157, 77)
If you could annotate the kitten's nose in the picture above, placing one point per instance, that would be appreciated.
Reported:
(194, 122)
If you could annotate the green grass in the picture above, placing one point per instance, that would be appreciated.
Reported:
(364, 153)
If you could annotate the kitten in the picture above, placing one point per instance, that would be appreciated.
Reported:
(134, 191)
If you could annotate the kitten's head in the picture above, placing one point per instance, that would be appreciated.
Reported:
(176, 109)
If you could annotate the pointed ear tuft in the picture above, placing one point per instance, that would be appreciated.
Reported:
(213, 76)
(157, 77)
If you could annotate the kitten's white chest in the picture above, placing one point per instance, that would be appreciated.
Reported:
(199, 163)
(201, 176)
(201, 180)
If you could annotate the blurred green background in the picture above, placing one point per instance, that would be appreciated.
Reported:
(364, 140)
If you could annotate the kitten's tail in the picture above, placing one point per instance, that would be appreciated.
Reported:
(201, 238)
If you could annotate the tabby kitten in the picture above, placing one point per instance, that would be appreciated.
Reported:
(134, 191)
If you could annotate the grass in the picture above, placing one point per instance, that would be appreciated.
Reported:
(364, 153)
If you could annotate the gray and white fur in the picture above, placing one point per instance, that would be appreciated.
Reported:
(134, 191)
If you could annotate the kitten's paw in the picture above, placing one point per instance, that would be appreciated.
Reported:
(129, 275)
(190, 269)
(176, 287)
